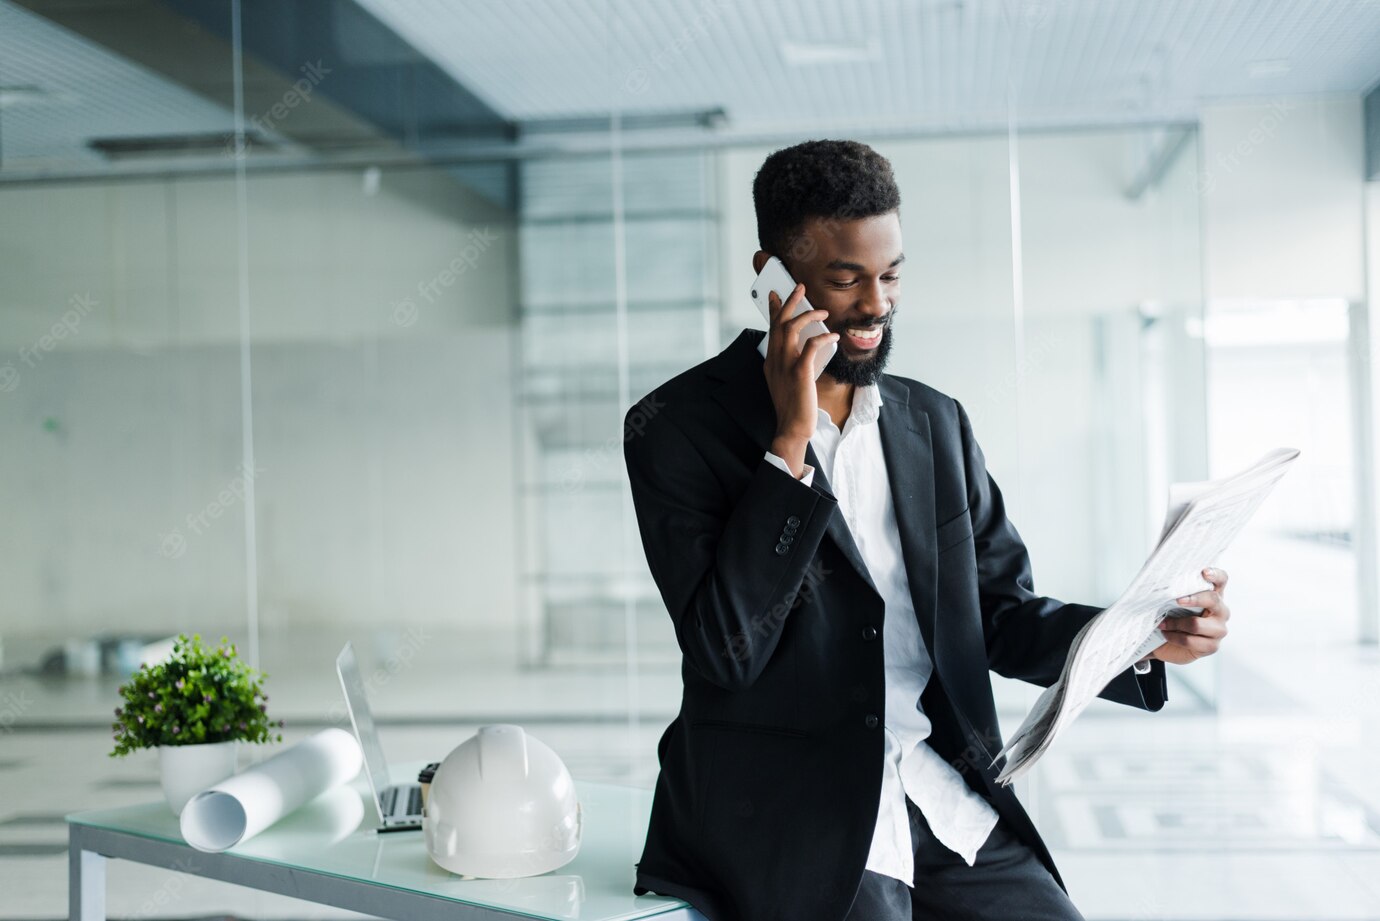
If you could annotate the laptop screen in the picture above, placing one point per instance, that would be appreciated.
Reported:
(357, 703)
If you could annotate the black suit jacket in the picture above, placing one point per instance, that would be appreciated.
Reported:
(770, 774)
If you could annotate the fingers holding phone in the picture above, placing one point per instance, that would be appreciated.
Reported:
(787, 335)
(774, 278)
(790, 372)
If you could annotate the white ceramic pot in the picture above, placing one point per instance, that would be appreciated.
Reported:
(186, 770)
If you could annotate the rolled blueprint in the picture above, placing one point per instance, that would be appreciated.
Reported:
(236, 809)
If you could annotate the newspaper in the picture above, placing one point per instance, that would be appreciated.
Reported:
(1202, 519)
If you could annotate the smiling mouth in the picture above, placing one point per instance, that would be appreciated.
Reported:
(863, 338)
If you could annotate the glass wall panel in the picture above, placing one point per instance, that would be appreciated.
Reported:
(124, 478)
(319, 321)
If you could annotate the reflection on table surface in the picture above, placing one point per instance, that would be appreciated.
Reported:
(335, 834)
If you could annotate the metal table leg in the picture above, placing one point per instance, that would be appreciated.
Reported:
(85, 880)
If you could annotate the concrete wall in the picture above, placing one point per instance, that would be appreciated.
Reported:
(384, 387)
(1282, 189)
(383, 361)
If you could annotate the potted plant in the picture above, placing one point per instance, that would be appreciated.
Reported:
(193, 707)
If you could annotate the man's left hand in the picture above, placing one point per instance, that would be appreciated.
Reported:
(1189, 638)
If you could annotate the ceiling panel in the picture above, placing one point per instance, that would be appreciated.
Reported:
(772, 66)
(58, 90)
(939, 63)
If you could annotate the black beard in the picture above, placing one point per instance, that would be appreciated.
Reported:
(861, 372)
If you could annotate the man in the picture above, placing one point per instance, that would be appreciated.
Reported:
(841, 574)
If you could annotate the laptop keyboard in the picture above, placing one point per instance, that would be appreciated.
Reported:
(391, 806)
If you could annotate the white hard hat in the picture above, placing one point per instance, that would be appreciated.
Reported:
(502, 805)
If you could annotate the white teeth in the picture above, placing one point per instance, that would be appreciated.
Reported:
(865, 334)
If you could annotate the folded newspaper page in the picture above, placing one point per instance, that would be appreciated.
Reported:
(1203, 518)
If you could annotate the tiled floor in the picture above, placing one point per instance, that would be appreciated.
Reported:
(1262, 808)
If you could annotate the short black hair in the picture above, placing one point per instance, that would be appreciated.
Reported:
(840, 180)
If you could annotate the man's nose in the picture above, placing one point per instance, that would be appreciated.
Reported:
(875, 302)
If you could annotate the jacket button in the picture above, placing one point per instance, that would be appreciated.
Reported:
(786, 537)
(781, 549)
(871, 721)
(792, 528)
(869, 632)
(793, 522)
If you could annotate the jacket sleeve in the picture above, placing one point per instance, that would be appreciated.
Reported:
(729, 568)
(1028, 635)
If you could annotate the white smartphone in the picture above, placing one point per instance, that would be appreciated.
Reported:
(774, 277)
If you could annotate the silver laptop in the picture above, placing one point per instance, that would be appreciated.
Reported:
(399, 805)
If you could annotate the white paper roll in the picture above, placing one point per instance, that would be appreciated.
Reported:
(236, 809)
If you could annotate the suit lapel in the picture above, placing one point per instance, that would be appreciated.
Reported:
(905, 434)
(745, 396)
(906, 445)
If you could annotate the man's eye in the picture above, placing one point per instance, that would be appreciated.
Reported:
(851, 282)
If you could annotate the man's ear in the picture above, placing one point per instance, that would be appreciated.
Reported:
(759, 259)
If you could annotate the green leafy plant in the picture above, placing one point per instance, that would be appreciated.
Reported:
(197, 695)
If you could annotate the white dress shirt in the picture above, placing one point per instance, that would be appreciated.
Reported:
(960, 818)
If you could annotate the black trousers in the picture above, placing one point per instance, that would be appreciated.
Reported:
(1006, 882)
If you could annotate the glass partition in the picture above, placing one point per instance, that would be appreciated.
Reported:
(319, 322)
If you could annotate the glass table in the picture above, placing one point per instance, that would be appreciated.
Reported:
(329, 852)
